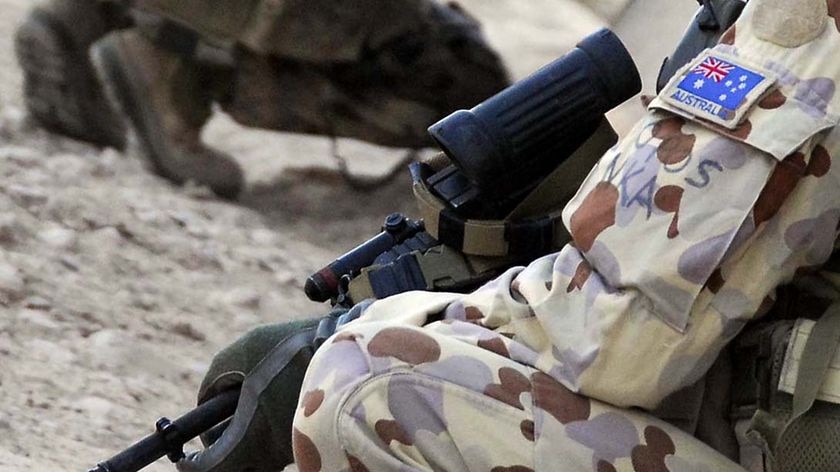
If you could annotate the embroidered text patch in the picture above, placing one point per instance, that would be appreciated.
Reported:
(717, 88)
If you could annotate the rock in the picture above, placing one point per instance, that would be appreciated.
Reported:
(264, 237)
(9, 229)
(145, 301)
(37, 318)
(199, 192)
(95, 409)
(72, 209)
(191, 222)
(181, 218)
(150, 216)
(26, 196)
(107, 162)
(106, 237)
(24, 157)
(58, 237)
(211, 256)
(243, 297)
(118, 352)
(37, 303)
(12, 121)
(105, 339)
(245, 319)
(68, 167)
(188, 331)
(287, 279)
(70, 263)
(37, 177)
(55, 354)
(110, 156)
(124, 231)
(198, 368)
(12, 286)
(198, 232)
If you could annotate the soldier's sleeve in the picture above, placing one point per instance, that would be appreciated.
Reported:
(725, 190)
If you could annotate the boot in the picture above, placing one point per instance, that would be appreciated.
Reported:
(167, 100)
(60, 88)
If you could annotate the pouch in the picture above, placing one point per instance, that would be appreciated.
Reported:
(786, 401)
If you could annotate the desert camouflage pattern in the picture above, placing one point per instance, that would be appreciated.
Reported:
(380, 71)
(386, 397)
(681, 234)
(308, 30)
(377, 70)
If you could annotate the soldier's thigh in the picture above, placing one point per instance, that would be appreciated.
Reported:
(446, 398)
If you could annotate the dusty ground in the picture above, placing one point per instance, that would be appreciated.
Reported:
(116, 287)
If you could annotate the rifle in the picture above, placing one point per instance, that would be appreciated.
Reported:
(170, 436)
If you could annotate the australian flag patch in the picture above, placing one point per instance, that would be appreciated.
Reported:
(717, 88)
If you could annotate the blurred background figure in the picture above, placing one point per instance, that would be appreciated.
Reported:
(380, 71)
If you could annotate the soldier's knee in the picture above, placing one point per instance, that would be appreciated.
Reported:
(339, 366)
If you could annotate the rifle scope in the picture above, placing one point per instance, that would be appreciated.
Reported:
(325, 284)
(521, 134)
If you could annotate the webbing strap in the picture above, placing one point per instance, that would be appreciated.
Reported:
(767, 430)
(833, 262)
(492, 238)
(535, 226)
(293, 348)
(819, 350)
(440, 268)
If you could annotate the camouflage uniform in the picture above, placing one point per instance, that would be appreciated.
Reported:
(681, 235)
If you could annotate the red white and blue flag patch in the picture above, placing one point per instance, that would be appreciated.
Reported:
(718, 88)
(714, 69)
(720, 82)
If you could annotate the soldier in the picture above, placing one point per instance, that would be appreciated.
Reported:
(620, 352)
(682, 235)
(375, 70)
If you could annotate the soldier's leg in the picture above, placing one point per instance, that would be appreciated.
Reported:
(448, 397)
(60, 88)
(376, 70)
(167, 97)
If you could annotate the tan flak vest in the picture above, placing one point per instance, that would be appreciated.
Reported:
(771, 402)
(786, 387)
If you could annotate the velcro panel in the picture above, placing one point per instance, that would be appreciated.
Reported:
(830, 389)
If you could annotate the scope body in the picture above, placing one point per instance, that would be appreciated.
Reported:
(517, 137)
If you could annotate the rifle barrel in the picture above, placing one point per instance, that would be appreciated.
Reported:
(171, 439)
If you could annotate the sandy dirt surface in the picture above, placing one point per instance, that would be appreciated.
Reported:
(116, 287)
